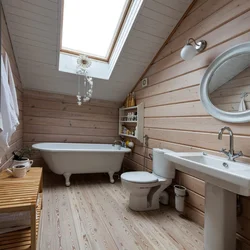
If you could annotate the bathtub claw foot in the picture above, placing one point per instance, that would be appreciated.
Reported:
(111, 177)
(67, 179)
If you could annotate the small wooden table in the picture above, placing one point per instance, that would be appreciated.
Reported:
(21, 194)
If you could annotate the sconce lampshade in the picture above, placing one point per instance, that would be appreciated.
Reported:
(188, 52)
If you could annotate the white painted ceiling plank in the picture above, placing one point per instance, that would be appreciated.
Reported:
(120, 73)
(135, 57)
(163, 9)
(32, 37)
(47, 58)
(180, 5)
(141, 44)
(160, 33)
(30, 23)
(33, 49)
(26, 41)
(132, 51)
(33, 8)
(132, 62)
(128, 68)
(125, 80)
(138, 42)
(152, 23)
(30, 30)
(49, 72)
(147, 36)
(44, 3)
(158, 17)
(26, 62)
(51, 78)
(29, 15)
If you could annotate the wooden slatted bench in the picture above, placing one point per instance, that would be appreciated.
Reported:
(17, 195)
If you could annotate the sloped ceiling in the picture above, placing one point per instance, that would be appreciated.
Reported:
(34, 27)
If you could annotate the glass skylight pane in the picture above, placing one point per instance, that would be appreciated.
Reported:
(90, 26)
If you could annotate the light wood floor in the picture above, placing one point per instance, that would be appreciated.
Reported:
(93, 214)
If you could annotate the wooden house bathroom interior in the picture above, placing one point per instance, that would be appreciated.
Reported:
(125, 124)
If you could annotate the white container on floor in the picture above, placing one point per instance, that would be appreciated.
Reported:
(180, 193)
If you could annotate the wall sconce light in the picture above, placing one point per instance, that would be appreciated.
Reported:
(189, 51)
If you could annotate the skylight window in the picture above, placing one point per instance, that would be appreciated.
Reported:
(92, 26)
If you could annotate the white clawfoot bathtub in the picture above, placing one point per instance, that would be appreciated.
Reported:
(79, 158)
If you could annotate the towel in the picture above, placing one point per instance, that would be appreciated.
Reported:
(10, 222)
(242, 106)
(1, 123)
(11, 83)
(8, 112)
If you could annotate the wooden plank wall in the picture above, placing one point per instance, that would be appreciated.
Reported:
(174, 116)
(57, 118)
(6, 46)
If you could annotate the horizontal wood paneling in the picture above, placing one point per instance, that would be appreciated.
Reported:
(52, 117)
(174, 116)
(17, 138)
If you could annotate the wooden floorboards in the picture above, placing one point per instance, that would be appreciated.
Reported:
(93, 214)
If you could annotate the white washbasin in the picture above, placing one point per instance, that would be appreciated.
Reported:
(224, 179)
(232, 176)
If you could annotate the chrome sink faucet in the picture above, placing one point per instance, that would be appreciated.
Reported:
(230, 154)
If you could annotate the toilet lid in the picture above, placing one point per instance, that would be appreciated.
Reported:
(139, 177)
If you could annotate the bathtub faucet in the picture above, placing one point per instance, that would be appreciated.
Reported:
(122, 143)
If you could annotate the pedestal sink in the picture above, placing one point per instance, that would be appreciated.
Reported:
(224, 179)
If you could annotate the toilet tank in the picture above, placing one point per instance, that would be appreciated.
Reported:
(161, 165)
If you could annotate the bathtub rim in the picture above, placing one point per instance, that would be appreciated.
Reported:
(113, 150)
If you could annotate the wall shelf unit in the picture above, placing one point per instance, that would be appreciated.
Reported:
(133, 119)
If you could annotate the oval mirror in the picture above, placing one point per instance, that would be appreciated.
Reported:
(225, 86)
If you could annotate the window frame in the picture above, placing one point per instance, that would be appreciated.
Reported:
(117, 33)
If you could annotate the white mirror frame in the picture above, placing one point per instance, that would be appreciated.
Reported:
(233, 117)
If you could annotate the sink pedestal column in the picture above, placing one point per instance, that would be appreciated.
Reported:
(220, 219)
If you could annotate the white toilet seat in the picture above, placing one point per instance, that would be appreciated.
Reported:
(139, 177)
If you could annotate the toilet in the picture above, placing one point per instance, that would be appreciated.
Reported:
(144, 187)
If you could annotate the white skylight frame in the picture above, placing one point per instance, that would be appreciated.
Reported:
(67, 62)
(122, 17)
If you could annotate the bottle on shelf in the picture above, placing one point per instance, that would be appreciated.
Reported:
(132, 103)
(124, 130)
(127, 102)
(135, 116)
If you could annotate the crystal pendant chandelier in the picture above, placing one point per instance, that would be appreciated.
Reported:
(83, 62)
